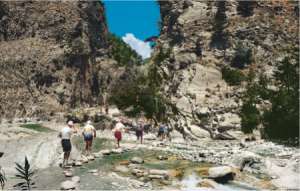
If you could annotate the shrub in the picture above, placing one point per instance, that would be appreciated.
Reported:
(242, 57)
(282, 120)
(220, 36)
(245, 8)
(250, 117)
(232, 76)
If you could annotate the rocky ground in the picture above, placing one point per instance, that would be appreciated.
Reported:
(176, 164)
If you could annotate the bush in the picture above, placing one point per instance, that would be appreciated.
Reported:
(282, 120)
(220, 36)
(250, 117)
(122, 53)
(232, 76)
(242, 57)
(140, 95)
(245, 8)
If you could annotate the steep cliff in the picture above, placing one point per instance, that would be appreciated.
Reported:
(199, 38)
(51, 54)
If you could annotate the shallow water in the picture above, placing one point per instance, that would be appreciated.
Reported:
(187, 179)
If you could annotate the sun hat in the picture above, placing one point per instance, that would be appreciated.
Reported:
(70, 123)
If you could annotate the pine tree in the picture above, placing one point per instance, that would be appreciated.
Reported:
(220, 36)
(246, 8)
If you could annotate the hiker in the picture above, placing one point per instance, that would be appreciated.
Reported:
(89, 132)
(139, 131)
(118, 132)
(65, 136)
(161, 131)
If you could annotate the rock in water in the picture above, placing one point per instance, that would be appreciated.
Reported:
(160, 157)
(121, 168)
(76, 179)
(221, 174)
(137, 160)
(90, 157)
(93, 171)
(105, 152)
(78, 163)
(68, 185)
(68, 173)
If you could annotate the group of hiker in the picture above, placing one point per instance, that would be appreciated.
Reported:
(120, 126)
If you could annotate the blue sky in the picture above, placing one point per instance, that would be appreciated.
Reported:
(133, 21)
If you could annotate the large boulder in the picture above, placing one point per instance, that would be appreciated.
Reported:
(68, 185)
(221, 174)
(199, 132)
(137, 160)
(245, 159)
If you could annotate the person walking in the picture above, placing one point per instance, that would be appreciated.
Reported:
(89, 133)
(65, 136)
(140, 131)
(118, 132)
(161, 131)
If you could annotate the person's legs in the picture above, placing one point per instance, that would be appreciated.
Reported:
(86, 147)
(142, 139)
(67, 155)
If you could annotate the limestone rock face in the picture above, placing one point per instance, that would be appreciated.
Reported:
(192, 67)
(51, 56)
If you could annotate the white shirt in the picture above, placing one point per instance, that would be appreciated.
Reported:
(118, 127)
(66, 133)
(88, 129)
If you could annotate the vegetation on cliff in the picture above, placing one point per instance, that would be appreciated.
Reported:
(281, 119)
(121, 52)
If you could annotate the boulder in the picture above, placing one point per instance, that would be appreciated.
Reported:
(90, 157)
(137, 172)
(155, 176)
(207, 183)
(137, 160)
(105, 152)
(199, 132)
(158, 172)
(122, 168)
(78, 163)
(93, 171)
(160, 157)
(68, 185)
(245, 158)
(221, 174)
(68, 173)
(75, 179)
(116, 151)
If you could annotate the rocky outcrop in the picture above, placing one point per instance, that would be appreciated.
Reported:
(52, 56)
(198, 38)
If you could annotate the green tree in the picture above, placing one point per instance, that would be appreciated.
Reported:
(281, 122)
(232, 76)
(220, 36)
(242, 57)
(246, 8)
(122, 53)
(250, 116)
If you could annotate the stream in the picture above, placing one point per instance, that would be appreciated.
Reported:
(185, 174)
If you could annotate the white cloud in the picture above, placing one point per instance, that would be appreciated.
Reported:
(141, 47)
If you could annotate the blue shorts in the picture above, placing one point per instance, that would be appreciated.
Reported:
(88, 137)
